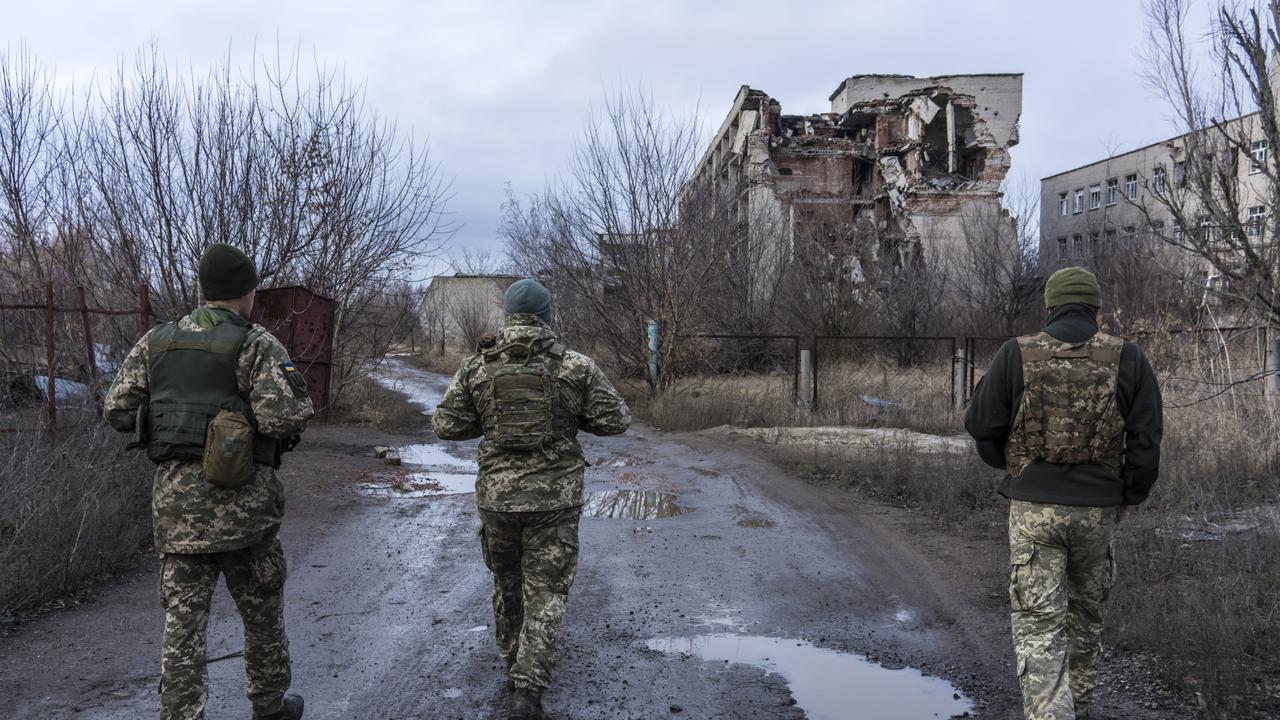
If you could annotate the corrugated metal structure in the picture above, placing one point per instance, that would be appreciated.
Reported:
(303, 321)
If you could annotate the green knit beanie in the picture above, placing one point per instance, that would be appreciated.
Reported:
(1072, 285)
(528, 296)
(226, 273)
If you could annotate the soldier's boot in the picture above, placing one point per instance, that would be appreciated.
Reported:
(526, 704)
(292, 710)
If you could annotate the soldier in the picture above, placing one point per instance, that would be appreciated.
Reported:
(528, 396)
(215, 401)
(1075, 417)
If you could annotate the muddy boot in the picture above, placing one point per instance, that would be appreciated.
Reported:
(526, 704)
(292, 710)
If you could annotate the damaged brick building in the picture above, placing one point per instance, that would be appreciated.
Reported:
(899, 161)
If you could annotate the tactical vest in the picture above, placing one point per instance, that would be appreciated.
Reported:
(192, 375)
(520, 406)
(1068, 413)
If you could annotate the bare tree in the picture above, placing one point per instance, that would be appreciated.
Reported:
(608, 237)
(995, 273)
(1228, 121)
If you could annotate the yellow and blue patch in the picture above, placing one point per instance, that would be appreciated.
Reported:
(294, 377)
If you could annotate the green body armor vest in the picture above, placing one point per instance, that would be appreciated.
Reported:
(1068, 413)
(520, 406)
(192, 376)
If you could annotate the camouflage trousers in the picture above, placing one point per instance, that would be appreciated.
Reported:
(255, 577)
(1061, 569)
(533, 557)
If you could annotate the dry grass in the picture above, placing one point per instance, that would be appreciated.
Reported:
(366, 402)
(918, 398)
(445, 364)
(72, 507)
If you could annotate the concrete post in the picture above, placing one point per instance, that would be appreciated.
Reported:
(951, 137)
(960, 389)
(805, 395)
(1273, 367)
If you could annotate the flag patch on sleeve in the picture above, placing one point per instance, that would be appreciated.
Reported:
(294, 378)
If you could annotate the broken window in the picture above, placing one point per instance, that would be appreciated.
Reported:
(1157, 180)
(1131, 187)
(1062, 207)
(1077, 246)
(1062, 248)
(1078, 205)
(862, 179)
(945, 135)
(1179, 173)
(1113, 191)
(1095, 197)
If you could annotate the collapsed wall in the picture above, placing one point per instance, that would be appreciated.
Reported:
(907, 165)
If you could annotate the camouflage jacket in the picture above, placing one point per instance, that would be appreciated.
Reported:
(541, 480)
(188, 514)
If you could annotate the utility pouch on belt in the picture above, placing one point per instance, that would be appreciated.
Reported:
(228, 450)
(139, 439)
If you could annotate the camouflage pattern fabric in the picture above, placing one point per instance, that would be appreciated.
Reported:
(255, 577)
(1061, 568)
(189, 514)
(534, 558)
(538, 480)
(1068, 413)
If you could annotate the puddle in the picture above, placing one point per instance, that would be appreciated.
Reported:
(419, 485)
(826, 684)
(632, 505)
(435, 456)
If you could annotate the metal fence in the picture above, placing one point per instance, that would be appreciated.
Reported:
(771, 363)
(84, 364)
(870, 378)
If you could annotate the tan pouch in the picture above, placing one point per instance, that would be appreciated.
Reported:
(228, 450)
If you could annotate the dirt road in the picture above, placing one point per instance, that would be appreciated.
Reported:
(713, 585)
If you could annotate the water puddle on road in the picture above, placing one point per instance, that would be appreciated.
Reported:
(632, 505)
(830, 685)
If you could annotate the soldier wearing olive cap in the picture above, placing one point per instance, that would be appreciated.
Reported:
(1074, 415)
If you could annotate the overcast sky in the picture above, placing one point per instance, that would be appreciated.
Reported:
(502, 88)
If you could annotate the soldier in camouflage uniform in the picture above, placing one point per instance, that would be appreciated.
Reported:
(1075, 417)
(528, 397)
(172, 385)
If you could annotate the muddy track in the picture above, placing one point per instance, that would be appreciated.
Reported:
(388, 604)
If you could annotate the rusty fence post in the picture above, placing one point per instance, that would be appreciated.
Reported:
(50, 383)
(144, 309)
(90, 351)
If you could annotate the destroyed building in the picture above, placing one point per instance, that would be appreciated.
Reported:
(904, 163)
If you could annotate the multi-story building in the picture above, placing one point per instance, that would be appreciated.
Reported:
(901, 160)
(1122, 206)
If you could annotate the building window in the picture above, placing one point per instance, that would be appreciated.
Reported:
(1157, 180)
(1258, 156)
(1095, 197)
(1179, 173)
(1177, 232)
(1077, 246)
(1113, 191)
(1094, 248)
(1131, 187)
(1109, 241)
(1062, 248)
(1078, 205)
(1130, 231)
(1062, 206)
(1253, 220)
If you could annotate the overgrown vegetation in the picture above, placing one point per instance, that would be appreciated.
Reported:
(368, 402)
(72, 507)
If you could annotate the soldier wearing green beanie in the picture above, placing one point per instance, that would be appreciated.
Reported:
(1075, 416)
(215, 401)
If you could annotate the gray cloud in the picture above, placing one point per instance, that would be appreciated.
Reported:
(502, 88)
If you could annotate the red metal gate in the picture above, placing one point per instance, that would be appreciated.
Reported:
(303, 321)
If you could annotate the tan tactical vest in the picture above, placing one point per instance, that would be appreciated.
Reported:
(1068, 413)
